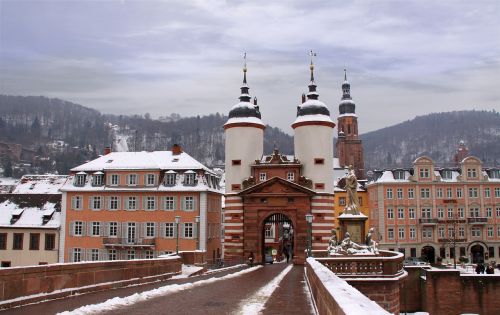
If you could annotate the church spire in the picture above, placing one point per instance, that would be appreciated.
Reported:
(312, 95)
(346, 87)
(244, 97)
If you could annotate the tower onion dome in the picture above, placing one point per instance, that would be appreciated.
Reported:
(312, 110)
(245, 111)
(346, 106)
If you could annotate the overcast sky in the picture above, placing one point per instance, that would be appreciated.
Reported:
(404, 58)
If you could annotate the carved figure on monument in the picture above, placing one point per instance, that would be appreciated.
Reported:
(348, 247)
(351, 187)
(333, 242)
(372, 245)
(248, 182)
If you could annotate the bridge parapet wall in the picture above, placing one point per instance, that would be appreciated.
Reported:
(334, 296)
(20, 285)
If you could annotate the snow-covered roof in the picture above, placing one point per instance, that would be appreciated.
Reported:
(40, 184)
(315, 117)
(156, 160)
(34, 212)
(250, 120)
(388, 177)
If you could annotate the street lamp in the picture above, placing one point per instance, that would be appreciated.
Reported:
(197, 220)
(177, 221)
(309, 219)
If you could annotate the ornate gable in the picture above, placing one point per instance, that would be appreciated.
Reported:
(277, 186)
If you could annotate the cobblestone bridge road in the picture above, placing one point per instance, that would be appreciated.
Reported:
(273, 289)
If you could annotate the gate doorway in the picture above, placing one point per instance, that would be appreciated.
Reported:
(277, 239)
(477, 253)
(428, 254)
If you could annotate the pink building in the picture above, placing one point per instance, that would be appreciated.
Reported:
(432, 212)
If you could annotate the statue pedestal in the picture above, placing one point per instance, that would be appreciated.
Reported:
(355, 225)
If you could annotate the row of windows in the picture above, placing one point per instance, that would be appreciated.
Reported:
(188, 203)
(450, 212)
(289, 176)
(475, 231)
(425, 193)
(96, 254)
(447, 174)
(135, 230)
(133, 179)
(34, 241)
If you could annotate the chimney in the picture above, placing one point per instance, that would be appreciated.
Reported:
(176, 149)
(303, 98)
(107, 150)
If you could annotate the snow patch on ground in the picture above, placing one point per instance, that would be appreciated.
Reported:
(255, 304)
(187, 270)
(118, 302)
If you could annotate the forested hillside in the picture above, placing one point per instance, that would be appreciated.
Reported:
(437, 136)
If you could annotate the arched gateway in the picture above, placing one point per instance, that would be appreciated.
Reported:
(277, 238)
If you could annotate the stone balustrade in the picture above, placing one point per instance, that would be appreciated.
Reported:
(386, 264)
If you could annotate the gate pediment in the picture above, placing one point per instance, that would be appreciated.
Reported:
(277, 186)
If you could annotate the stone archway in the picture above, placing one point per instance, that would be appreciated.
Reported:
(277, 237)
(428, 253)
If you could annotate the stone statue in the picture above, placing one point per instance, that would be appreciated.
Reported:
(333, 242)
(348, 247)
(351, 187)
(372, 245)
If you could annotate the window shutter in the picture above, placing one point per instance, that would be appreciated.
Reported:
(89, 229)
(161, 200)
(155, 206)
(154, 230)
(103, 254)
(118, 203)
(70, 255)
(145, 179)
(143, 229)
(102, 228)
(163, 233)
(195, 230)
(183, 203)
(127, 178)
(125, 201)
(183, 227)
(124, 230)
(195, 202)
(84, 224)
(73, 202)
(91, 203)
(144, 202)
(118, 229)
(176, 206)
(105, 229)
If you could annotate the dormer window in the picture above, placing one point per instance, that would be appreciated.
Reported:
(189, 178)
(446, 174)
(97, 179)
(494, 174)
(80, 179)
(169, 178)
(471, 173)
(290, 176)
(398, 174)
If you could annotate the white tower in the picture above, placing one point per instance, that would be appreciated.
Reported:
(244, 133)
(313, 139)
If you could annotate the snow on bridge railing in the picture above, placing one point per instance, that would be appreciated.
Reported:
(334, 295)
